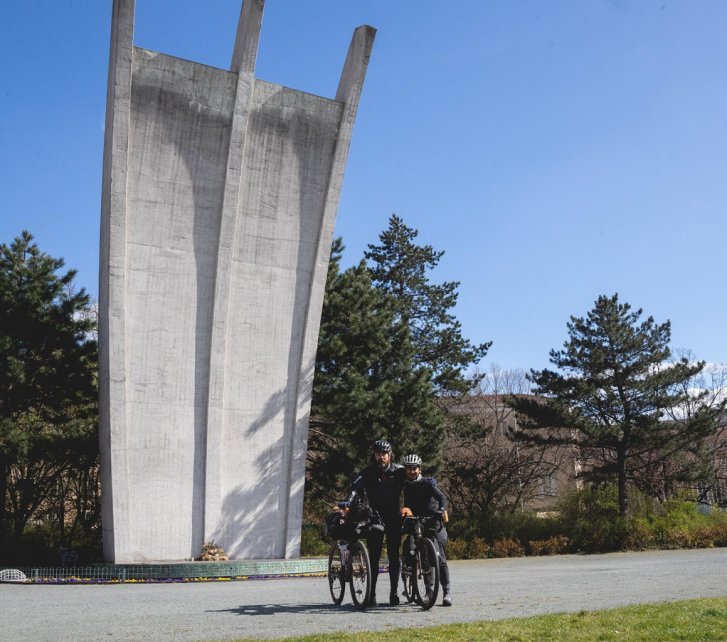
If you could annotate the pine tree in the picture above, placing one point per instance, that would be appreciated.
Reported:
(367, 384)
(47, 376)
(612, 395)
(400, 267)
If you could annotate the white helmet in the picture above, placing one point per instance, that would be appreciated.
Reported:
(412, 460)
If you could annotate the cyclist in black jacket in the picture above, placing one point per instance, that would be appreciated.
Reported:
(425, 499)
(382, 481)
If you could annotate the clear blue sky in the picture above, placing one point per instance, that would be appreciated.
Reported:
(554, 150)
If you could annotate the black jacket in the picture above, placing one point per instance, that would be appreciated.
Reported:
(382, 487)
(424, 497)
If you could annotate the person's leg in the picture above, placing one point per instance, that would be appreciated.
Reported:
(443, 569)
(375, 542)
(393, 542)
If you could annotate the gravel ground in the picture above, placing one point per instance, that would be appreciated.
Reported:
(482, 590)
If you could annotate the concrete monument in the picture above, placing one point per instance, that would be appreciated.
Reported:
(219, 199)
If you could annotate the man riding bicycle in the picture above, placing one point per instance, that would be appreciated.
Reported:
(382, 481)
(424, 498)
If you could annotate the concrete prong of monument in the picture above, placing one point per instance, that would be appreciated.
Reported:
(219, 200)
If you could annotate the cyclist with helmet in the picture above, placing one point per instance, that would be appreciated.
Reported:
(424, 498)
(382, 482)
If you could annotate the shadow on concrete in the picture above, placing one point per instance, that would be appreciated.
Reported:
(273, 406)
(277, 609)
(245, 530)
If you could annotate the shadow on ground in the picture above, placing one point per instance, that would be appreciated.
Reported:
(277, 609)
(320, 609)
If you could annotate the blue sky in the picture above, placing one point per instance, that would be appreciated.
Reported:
(555, 151)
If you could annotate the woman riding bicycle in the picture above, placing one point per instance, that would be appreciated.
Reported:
(424, 498)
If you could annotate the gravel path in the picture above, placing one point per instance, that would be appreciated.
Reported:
(482, 590)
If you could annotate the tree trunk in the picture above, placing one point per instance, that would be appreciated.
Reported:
(623, 500)
(4, 469)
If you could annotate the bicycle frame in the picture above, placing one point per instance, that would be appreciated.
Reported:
(421, 581)
(348, 560)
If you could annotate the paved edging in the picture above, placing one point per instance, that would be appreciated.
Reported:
(182, 571)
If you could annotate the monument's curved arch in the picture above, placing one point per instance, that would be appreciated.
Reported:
(219, 200)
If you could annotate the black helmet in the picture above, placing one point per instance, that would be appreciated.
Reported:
(381, 446)
(412, 460)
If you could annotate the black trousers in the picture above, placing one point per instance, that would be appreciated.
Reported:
(375, 542)
(440, 539)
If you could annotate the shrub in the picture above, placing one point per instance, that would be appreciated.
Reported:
(677, 523)
(457, 549)
(478, 548)
(311, 541)
(507, 547)
(702, 537)
(528, 526)
(461, 529)
(37, 547)
(719, 529)
(641, 536)
(556, 545)
(588, 521)
(40, 545)
(590, 517)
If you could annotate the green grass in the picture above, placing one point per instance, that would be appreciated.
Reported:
(704, 619)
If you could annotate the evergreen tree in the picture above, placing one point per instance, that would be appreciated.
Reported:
(47, 378)
(367, 383)
(612, 394)
(400, 267)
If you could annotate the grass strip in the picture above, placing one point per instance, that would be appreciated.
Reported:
(697, 620)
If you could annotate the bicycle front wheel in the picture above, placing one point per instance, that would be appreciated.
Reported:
(407, 579)
(426, 578)
(360, 574)
(407, 572)
(336, 575)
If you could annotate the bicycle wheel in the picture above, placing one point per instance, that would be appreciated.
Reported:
(407, 574)
(336, 575)
(360, 574)
(407, 579)
(426, 580)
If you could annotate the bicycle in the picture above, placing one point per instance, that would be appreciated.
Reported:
(348, 559)
(420, 570)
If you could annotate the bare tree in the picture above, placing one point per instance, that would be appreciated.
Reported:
(487, 469)
(702, 466)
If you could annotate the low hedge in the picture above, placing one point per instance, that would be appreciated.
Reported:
(585, 521)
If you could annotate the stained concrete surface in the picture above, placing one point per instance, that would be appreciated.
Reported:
(219, 200)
